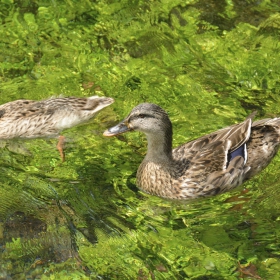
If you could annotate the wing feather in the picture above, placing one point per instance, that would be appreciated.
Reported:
(210, 152)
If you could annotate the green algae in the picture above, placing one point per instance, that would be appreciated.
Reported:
(209, 65)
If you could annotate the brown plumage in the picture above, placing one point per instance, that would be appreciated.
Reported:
(209, 165)
(47, 118)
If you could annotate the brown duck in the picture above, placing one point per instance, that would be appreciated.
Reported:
(47, 118)
(212, 164)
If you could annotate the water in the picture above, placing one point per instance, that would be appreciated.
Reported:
(209, 65)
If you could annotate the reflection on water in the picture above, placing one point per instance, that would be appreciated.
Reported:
(209, 65)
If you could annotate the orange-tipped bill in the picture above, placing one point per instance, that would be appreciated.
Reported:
(117, 129)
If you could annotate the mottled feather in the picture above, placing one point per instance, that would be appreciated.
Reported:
(205, 166)
(47, 118)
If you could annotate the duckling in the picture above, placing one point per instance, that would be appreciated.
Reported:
(47, 118)
(209, 165)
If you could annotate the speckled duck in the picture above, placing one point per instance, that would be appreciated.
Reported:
(212, 164)
(47, 118)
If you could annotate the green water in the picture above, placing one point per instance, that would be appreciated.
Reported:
(209, 64)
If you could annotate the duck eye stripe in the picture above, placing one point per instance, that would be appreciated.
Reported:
(146, 116)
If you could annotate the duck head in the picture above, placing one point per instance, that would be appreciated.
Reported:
(147, 118)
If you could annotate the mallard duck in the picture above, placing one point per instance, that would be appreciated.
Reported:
(47, 118)
(212, 164)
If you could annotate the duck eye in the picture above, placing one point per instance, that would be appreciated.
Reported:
(141, 116)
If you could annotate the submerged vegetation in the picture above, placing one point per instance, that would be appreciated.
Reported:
(209, 64)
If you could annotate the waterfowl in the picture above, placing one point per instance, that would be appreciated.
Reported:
(47, 118)
(212, 164)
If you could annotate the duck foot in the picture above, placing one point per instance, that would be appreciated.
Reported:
(60, 145)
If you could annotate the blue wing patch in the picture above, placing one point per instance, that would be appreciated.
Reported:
(241, 151)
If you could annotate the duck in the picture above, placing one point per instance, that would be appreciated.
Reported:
(25, 119)
(207, 166)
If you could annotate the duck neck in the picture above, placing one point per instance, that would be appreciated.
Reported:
(159, 147)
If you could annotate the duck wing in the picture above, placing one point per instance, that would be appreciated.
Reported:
(214, 151)
(15, 109)
(215, 162)
(23, 108)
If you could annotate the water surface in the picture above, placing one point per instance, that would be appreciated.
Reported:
(209, 65)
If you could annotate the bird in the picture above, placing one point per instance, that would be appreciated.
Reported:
(207, 166)
(26, 119)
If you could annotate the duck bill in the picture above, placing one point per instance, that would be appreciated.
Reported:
(120, 128)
